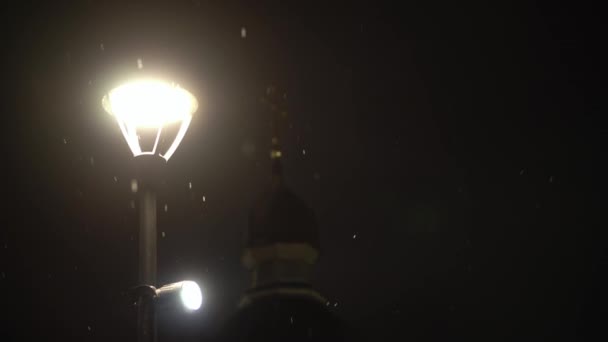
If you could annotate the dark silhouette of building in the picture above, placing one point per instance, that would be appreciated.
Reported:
(281, 248)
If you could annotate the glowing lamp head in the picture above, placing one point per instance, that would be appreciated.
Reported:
(191, 295)
(147, 107)
(187, 292)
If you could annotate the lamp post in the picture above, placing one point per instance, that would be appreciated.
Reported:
(146, 110)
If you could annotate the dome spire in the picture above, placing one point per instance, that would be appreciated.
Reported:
(281, 249)
(282, 241)
(276, 152)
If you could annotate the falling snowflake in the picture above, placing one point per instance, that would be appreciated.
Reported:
(521, 172)
(291, 319)
(163, 234)
(134, 185)
(65, 141)
(551, 179)
(102, 47)
(190, 185)
(335, 304)
(89, 327)
(115, 179)
(303, 152)
(243, 32)
(92, 161)
(354, 236)
(166, 208)
(204, 199)
(140, 64)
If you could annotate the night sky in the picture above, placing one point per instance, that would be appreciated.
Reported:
(455, 156)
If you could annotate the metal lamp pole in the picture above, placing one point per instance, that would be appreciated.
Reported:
(147, 236)
(146, 318)
(150, 169)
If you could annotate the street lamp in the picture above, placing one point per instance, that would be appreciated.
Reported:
(146, 107)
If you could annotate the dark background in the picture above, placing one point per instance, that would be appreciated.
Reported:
(454, 155)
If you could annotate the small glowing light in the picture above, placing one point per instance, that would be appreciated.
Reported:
(190, 185)
(150, 105)
(204, 199)
(304, 152)
(354, 236)
(134, 185)
(191, 295)
(275, 154)
(243, 32)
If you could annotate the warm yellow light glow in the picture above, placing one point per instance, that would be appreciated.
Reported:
(275, 154)
(150, 104)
